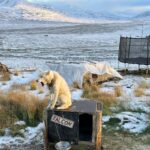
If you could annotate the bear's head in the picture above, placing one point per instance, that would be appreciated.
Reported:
(46, 78)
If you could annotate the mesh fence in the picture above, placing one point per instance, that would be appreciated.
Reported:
(134, 50)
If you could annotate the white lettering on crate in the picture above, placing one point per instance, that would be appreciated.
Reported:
(62, 121)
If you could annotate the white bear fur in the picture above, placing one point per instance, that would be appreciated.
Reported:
(59, 90)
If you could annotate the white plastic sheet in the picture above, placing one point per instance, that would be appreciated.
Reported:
(75, 72)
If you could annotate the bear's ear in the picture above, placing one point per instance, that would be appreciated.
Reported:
(48, 72)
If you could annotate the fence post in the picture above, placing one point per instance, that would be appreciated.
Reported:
(147, 54)
(118, 65)
(129, 47)
(125, 55)
(46, 145)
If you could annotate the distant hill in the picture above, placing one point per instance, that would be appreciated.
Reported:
(60, 11)
(143, 15)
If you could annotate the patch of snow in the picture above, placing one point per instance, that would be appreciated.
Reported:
(6, 141)
(24, 78)
(20, 123)
(31, 134)
(76, 95)
(134, 122)
(107, 89)
(130, 121)
(34, 132)
(106, 118)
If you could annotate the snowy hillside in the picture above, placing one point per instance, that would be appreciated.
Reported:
(74, 10)
(23, 10)
(63, 11)
(144, 15)
(9, 3)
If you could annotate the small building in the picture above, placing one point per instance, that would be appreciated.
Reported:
(80, 124)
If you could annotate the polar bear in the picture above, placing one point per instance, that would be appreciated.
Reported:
(59, 91)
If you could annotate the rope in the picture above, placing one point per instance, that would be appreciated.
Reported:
(56, 127)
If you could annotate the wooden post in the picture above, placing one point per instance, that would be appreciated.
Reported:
(118, 65)
(147, 55)
(99, 131)
(147, 70)
(46, 145)
(126, 55)
(139, 67)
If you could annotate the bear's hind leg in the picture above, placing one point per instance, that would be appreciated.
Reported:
(65, 102)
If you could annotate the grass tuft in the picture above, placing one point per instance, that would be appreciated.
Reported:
(118, 91)
(2, 132)
(34, 85)
(139, 92)
(93, 92)
(5, 77)
(21, 106)
(16, 130)
(144, 85)
(75, 85)
(21, 87)
(140, 89)
(17, 73)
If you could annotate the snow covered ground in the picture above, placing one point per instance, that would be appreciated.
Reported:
(31, 135)
(36, 46)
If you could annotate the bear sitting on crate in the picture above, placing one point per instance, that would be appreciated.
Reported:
(60, 95)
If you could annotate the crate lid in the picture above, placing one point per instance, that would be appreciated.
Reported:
(88, 106)
(84, 106)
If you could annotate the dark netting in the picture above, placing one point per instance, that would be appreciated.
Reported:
(134, 50)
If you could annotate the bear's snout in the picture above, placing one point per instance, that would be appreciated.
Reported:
(42, 83)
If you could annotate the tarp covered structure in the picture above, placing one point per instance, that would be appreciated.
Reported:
(75, 72)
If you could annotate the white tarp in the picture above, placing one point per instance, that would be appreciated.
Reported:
(75, 72)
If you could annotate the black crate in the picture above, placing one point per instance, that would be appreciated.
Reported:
(81, 122)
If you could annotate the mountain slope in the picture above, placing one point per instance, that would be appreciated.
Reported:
(23, 9)
(64, 11)
(9, 3)
(79, 12)
(143, 15)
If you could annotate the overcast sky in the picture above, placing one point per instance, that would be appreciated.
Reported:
(112, 5)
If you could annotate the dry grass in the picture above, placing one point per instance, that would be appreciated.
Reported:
(33, 85)
(5, 77)
(93, 92)
(21, 106)
(40, 91)
(6, 118)
(118, 91)
(140, 89)
(21, 87)
(139, 92)
(15, 130)
(75, 85)
(148, 102)
(144, 85)
(17, 73)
